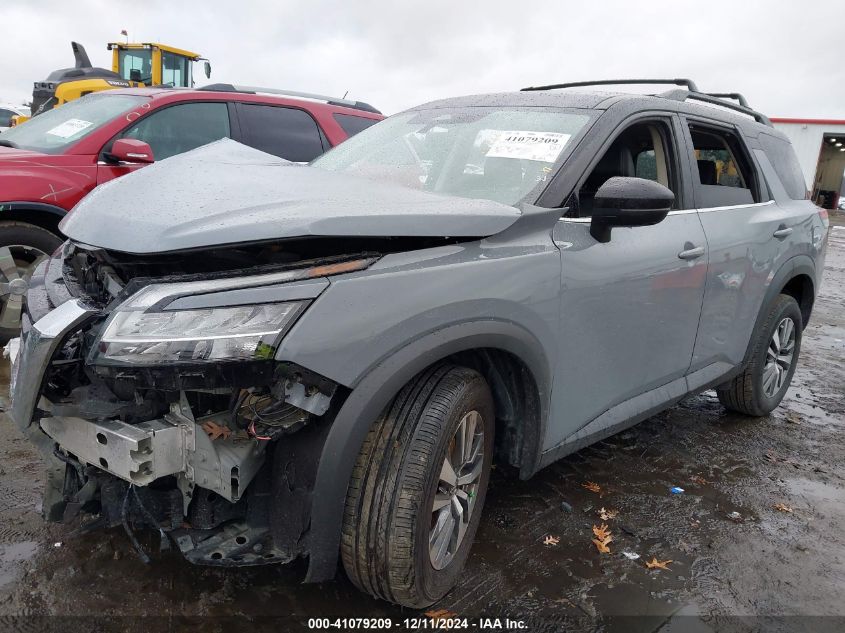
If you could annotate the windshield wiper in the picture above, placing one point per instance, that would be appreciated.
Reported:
(6, 143)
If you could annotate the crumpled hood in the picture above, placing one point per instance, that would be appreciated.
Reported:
(227, 193)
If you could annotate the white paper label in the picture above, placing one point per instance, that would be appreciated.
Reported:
(541, 146)
(69, 128)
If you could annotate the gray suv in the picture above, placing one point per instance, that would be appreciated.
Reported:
(263, 360)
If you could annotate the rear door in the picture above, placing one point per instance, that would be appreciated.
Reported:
(629, 307)
(290, 133)
(749, 236)
(169, 131)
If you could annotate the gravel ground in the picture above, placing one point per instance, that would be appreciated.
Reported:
(738, 563)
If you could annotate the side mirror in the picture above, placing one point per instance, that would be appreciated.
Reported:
(135, 75)
(207, 67)
(130, 150)
(623, 201)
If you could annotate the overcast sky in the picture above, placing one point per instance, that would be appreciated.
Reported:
(786, 57)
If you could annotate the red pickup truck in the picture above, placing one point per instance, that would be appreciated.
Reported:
(51, 162)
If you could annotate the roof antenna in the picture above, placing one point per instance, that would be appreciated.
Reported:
(344, 94)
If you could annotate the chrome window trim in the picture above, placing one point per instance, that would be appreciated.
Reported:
(686, 211)
(737, 206)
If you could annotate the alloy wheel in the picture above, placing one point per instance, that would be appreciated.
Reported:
(457, 490)
(779, 356)
(17, 263)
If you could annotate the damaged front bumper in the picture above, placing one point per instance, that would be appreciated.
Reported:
(158, 446)
(136, 453)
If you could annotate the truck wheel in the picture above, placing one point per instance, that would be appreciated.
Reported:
(416, 493)
(22, 248)
(774, 356)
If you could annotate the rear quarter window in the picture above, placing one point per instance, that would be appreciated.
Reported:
(289, 133)
(353, 124)
(786, 165)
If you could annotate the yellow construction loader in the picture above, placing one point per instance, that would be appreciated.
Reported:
(133, 65)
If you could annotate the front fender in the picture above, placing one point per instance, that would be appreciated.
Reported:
(372, 394)
(56, 186)
(373, 330)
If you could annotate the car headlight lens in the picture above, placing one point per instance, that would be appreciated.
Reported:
(143, 331)
(148, 337)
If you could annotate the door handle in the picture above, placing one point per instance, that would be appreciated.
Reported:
(692, 253)
(782, 232)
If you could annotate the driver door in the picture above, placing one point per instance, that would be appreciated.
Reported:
(629, 307)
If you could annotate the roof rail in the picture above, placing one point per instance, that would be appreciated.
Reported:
(684, 95)
(347, 103)
(730, 95)
(689, 83)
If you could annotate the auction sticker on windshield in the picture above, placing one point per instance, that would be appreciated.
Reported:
(69, 128)
(540, 146)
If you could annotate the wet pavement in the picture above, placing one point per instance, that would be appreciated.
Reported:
(738, 562)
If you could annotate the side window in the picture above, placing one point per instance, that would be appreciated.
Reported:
(353, 124)
(6, 117)
(285, 132)
(182, 127)
(643, 150)
(783, 159)
(726, 176)
(175, 70)
(645, 165)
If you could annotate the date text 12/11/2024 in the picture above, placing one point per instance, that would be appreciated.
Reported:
(437, 622)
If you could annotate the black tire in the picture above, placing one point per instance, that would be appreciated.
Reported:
(388, 515)
(27, 241)
(746, 393)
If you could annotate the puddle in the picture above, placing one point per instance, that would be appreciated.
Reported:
(11, 555)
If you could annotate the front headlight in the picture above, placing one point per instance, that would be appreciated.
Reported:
(138, 337)
(143, 331)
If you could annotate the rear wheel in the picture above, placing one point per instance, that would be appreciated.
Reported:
(416, 493)
(774, 356)
(22, 248)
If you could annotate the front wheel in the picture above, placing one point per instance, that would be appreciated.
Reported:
(774, 356)
(416, 493)
(22, 247)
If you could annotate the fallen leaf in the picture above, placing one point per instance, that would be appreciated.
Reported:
(782, 507)
(698, 479)
(551, 540)
(214, 430)
(794, 418)
(441, 614)
(603, 538)
(607, 515)
(592, 487)
(658, 564)
(565, 601)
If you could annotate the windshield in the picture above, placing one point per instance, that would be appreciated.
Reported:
(59, 128)
(496, 154)
(136, 64)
